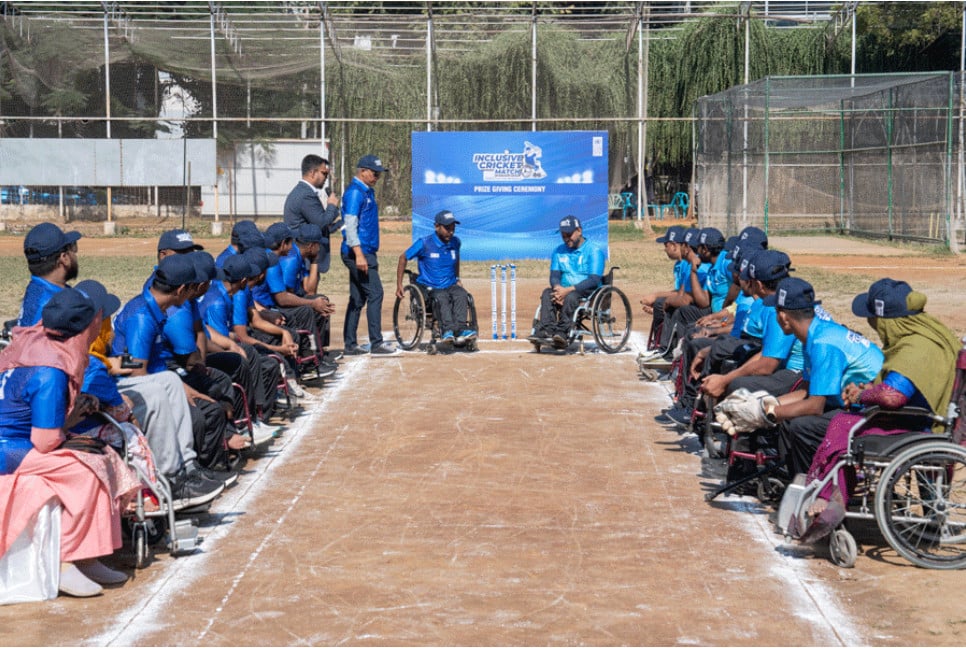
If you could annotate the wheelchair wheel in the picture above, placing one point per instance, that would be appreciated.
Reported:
(920, 505)
(409, 317)
(770, 490)
(141, 550)
(842, 548)
(611, 319)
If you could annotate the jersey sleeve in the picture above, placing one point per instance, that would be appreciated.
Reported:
(774, 342)
(239, 308)
(598, 260)
(274, 279)
(414, 250)
(46, 391)
(139, 333)
(179, 331)
(827, 366)
(216, 315)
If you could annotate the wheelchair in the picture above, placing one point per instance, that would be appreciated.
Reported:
(912, 484)
(415, 313)
(605, 315)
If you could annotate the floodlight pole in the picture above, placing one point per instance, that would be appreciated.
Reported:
(215, 229)
(108, 229)
(746, 9)
(643, 58)
(429, 66)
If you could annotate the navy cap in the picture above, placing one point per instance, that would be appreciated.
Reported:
(237, 268)
(886, 298)
(730, 244)
(446, 218)
(711, 237)
(691, 237)
(745, 248)
(104, 301)
(261, 259)
(371, 162)
(46, 239)
(569, 224)
(205, 269)
(68, 312)
(242, 227)
(792, 294)
(177, 270)
(177, 240)
(309, 233)
(674, 234)
(276, 233)
(744, 265)
(752, 233)
(251, 239)
(769, 265)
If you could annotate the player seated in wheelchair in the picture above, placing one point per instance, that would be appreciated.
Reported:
(918, 371)
(834, 357)
(576, 270)
(438, 262)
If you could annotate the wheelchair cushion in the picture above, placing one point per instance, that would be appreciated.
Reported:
(886, 446)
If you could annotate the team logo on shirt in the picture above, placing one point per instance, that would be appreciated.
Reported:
(510, 167)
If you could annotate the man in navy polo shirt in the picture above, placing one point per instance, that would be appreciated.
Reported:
(360, 245)
(438, 258)
(576, 270)
(52, 261)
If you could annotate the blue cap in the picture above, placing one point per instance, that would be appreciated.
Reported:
(68, 312)
(205, 269)
(177, 270)
(446, 218)
(691, 237)
(251, 239)
(261, 259)
(886, 298)
(752, 233)
(309, 233)
(177, 240)
(712, 238)
(744, 265)
(769, 265)
(569, 224)
(276, 233)
(792, 294)
(371, 162)
(46, 239)
(238, 267)
(104, 301)
(242, 227)
(674, 234)
(745, 248)
(730, 244)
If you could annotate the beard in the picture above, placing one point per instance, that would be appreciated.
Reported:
(72, 271)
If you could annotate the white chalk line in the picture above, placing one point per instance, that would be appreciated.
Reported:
(181, 573)
(812, 599)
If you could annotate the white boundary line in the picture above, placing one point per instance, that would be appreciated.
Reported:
(181, 573)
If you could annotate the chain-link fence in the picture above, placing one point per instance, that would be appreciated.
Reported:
(875, 155)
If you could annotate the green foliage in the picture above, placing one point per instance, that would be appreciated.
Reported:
(908, 36)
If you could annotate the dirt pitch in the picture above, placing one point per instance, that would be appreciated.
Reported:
(505, 498)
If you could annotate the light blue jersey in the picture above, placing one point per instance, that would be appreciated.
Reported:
(835, 357)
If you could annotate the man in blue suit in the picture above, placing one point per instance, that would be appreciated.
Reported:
(304, 204)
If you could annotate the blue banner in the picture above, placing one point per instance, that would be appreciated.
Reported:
(509, 190)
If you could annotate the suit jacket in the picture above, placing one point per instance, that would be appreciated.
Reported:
(304, 205)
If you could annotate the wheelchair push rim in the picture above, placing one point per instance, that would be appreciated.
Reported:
(611, 319)
(409, 318)
(920, 505)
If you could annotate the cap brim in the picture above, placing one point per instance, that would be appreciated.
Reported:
(110, 306)
(73, 237)
(860, 306)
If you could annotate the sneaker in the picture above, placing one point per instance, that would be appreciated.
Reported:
(447, 341)
(647, 356)
(538, 339)
(560, 341)
(323, 371)
(294, 389)
(226, 477)
(384, 348)
(262, 433)
(357, 350)
(680, 416)
(74, 583)
(100, 573)
(334, 356)
(469, 335)
(194, 490)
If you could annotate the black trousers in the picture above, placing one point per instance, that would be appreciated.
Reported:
(209, 420)
(557, 319)
(269, 338)
(451, 308)
(677, 325)
(799, 439)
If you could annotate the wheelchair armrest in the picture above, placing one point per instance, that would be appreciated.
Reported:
(916, 418)
(412, 274)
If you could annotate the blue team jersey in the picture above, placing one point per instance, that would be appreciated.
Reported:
(437, 260)
(777, 344)
(754, 325)
(242, 303)
(228, 252)
(292, 267)
(743, 304)
(274, 283)
(682, 275)
(138, 331)
(360, 200)
(179, 330)
(718, 281)
(575, 265)
(216, 308)
(29, 397)
(38, 293)
(836, 357)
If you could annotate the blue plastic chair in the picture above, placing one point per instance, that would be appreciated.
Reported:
(679, 204)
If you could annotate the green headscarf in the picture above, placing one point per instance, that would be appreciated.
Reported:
(922, 349)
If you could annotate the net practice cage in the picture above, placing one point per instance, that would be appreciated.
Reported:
(872, 155)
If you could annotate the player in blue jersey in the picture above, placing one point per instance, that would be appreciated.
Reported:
(52, 261)
(576, 270)
(438, 259)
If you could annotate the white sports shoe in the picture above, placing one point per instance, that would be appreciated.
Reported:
(294, 388)
(262, 433)
(74, 583)
(100, 573)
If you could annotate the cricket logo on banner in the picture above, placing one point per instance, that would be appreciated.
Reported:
(509, 190)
